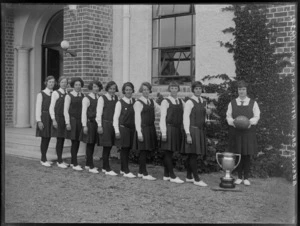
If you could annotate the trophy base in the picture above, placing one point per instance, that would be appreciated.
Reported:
(227, 182)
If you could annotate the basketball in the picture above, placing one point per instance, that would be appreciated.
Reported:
(241, 122)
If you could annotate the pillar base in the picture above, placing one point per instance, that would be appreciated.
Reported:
(22, 126)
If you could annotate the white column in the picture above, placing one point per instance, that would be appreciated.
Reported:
(23, 107)
(126, 43)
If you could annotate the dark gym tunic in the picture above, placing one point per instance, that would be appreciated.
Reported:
(59, 116)
(148, 128)
(45, 117)
(107, 138)
(92, 136)
(126, 125)
(242, 141)
(75, 117)
(197, 130)
(174, 123)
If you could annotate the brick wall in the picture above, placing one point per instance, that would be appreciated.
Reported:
(9, 68)
(287, 150)
(89, 32)
(283, 15)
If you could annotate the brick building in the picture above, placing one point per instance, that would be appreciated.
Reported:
(155, 43)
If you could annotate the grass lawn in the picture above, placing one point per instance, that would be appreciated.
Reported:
(36, 194)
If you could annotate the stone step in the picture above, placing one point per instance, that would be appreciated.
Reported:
(22, 142)
(35, 154)
(33, 147)
(33, 151)
(33, 141)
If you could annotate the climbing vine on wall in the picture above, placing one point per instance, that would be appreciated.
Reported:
(258, 64)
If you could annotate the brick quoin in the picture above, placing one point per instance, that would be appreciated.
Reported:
(282, 13)
(9, 68)
(89, 33)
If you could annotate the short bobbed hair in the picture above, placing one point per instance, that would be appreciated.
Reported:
(147, 84)
(62, 78)
(97, 83)
(196, 84)
(241, 84)
(110, 84)
(127, 84)
(50, 77)
(173, 83)
(76, 79)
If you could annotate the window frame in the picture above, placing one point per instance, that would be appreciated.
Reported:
(158, 76)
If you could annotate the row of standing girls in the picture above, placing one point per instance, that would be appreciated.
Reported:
(126, 123)
(51, 120)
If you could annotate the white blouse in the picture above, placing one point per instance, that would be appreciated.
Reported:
(85, 104)
(138, 107)
(54, 98)
(100, 106)
(163, 114)
(187, 111)
(67, 105)
(39, 101)
(117, 113)
(256, 111)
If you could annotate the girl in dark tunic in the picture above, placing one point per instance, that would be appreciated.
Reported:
(243, 141)
(171, 127)
(194, 126)
(89, 133)
(124, 127)
(58, 119)
(145, 138)
(105, 112)
(43, 118)
(72, 113)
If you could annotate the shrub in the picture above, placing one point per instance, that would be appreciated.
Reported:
(272, 164)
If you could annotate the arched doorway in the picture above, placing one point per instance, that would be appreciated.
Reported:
(52, 53)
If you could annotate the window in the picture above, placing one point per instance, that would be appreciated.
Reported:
(54, 31)
(52, 53)
(173, 47)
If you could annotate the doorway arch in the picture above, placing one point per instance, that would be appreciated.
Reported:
(52, 53)
(31, 23)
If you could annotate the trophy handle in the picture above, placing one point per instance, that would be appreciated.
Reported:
(217, 154)
(238, 161)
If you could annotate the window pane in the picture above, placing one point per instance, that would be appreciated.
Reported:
(183, 67)
(175, 62)
(182, 8)
(167, 66)
(183, 30)
(155, 33)
(164, 10)
(167, 32)
(155, 62)
(53, 33)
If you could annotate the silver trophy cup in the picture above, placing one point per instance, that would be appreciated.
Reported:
(228, 164)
